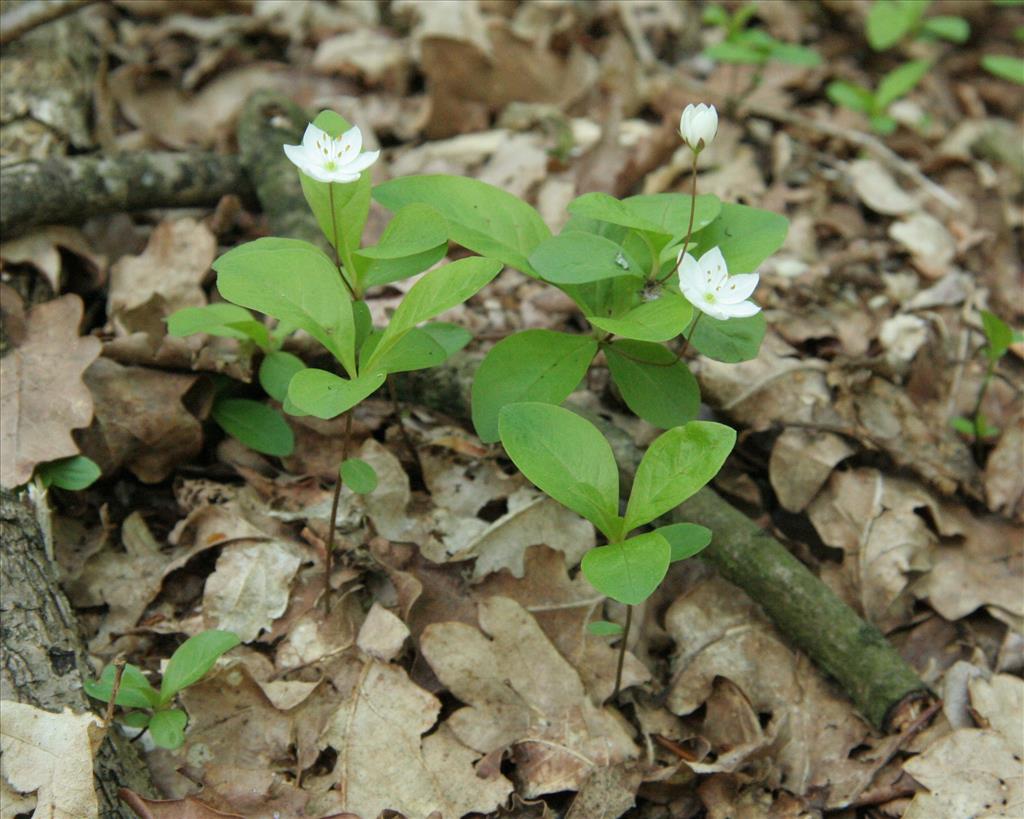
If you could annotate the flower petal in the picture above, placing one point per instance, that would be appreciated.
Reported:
(361, 162)
(742, 310)
(299, 156)
(310, 138)
(713, 262)
(690, 274)
(349, 144)
(738, 288)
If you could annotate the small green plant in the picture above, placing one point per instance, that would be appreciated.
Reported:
(890, 21)
(875, 104)
(1005, 66)
(752, 46)
(569, 459)
(150, 709)
(998, 338)
(74, 473)
(303, 288)
(622, 262)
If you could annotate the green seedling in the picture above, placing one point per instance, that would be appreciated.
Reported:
(998, 338)
(890, 21)
(568, 458)
(151, 709)
(74, 473)
(304, 288)
(875, 104)
(1005, 66)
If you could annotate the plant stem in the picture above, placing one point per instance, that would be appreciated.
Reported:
(686, 339)
(976, 415)
(337, 253)
(693, 210)
(334, 508)
(622, 651)
(108, 715)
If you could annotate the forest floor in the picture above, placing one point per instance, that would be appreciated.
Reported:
(457, 599)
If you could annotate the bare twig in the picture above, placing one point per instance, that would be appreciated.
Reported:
(34, 13)
(622, 651)
(115, 689)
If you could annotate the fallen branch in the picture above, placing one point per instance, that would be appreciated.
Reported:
(882, 686)
(34, 13)
(44, 661)
(63, 191)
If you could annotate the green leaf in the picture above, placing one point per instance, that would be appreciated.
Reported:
(850, 95)
(658, 320)
(675, 466)
(1005, 67)
(193, 659)
(603, 628)
(535, 365)
(575, 257)
(889, 21)
(135, 719)
(730, 340)
(607, 297)
(998, 333)
(655, 384)
(414, 229)
(985, 429)
(437, 291)
(882, 124)
(630, 571)
(965, 426)
(168, 728)
(732, 52)
(276, 371)
(221, 319)
(566, 457)
(607, 208)
(256, 425)
(954, 29)
(747, 236)
(793, 54)
(74, 473)
(899, 82)
(296, 283)
(135, 690)
(451, 337)
(326, 396)
(358, 476)
(714, 15)
(671, 211)
(481, 217)
(384, 271)
(686, 539)
(415, 350)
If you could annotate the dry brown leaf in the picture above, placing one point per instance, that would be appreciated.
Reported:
(522, 693)
(878, 190)
(801, 462)
(718, 631)
(140, 420)
(382, 634)
(928, 241)
(366, 54)
(187, 808)
(874, 519)
(1004, 472)
(42, 397)
(998, 703)
(562, 607)
(41, 248)
(51, 756)
(385, 762)
(970, 772)
(251, 586)
(167, 276)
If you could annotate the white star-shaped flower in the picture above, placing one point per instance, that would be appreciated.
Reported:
(708, 286)
(331, 159)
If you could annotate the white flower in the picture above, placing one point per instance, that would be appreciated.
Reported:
(698, 126)
(331, 159)
(708, 286)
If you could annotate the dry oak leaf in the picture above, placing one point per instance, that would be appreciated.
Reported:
(522, 693)
(42, 397)
(719, 632)
(51, 755)
(384, 761)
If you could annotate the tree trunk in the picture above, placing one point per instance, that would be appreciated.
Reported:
(43, 657)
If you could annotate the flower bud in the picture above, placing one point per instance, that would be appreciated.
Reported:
(698, 126)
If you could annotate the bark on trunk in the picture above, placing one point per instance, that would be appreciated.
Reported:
(68, 191)
(43, 658)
